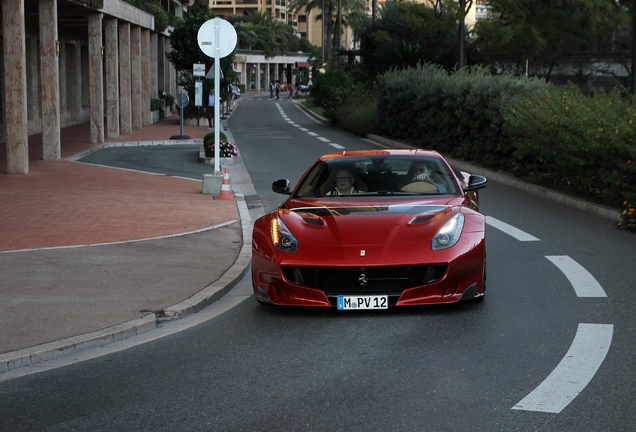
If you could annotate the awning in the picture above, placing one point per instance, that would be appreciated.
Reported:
(303, 65)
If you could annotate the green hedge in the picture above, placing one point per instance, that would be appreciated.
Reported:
(552, 136)
(583, 145)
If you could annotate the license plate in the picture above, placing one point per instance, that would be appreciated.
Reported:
(363, 302)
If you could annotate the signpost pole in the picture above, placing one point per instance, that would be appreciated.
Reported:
(217, 91)
(181, 116)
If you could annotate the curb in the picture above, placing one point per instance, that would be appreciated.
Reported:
(85, 153)
(311, 114)
(210, 294)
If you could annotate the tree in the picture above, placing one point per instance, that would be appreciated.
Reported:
(542, 32)
(186, 52)
(406, 34)
(331, 26)
(261, 31)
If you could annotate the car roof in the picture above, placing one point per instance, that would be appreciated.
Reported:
(383, 152)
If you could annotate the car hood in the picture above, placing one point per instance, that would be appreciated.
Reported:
(366, 225)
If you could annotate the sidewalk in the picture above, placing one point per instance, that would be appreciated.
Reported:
(92, 254)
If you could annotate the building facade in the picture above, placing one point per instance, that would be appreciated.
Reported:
(68, 62)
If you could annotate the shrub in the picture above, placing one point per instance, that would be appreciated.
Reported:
(553, 136)
(577, 144)
(169, 100)
(226, 149)
(358, 113)
(337, 88)
(156, 104)
(628, 215)
(209, 137)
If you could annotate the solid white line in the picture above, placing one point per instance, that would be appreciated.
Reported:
(573, 373)
(510, 230)
(323, 139)
(338, 146)
(584, 284)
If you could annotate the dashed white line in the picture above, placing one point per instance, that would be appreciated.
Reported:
(510, 230)
(584, 284)
(304, 129)
(312, 134)
(323, 139)
(573, 373)
(338, 146)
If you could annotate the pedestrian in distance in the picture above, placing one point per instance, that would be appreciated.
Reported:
(290, 87)
(271, 89)
(277, 90)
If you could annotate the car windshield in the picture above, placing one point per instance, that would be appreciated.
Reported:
(378, 175)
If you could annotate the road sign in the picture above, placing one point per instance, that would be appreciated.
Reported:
(182, 100)
(198, 69)
(211, 74)
(227, 38)
(217, 38)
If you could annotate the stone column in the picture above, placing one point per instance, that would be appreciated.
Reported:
(50, 79)
(62, 80)
(166, 65)
(258, 77)
(33, 85)
(153, 66)
(72, 73)
(15, 87)
(135, 76)
(173, 73)
(145, 77)
(111, 57)
(125, 98)
(96, 77)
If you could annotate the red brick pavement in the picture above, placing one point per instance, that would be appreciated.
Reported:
(63, 203)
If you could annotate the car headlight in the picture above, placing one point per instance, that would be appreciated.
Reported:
(282, 238)
(449, 234)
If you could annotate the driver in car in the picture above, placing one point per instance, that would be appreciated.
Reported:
(344, 183)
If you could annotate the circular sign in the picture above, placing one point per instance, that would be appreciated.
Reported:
(182, 100)
(227, 37)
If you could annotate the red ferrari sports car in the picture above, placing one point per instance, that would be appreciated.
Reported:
(371, 229)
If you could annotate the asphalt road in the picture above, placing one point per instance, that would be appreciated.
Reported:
(450, 368)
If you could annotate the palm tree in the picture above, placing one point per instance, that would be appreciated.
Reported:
(331, 26)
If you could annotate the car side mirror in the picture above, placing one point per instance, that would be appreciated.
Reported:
(281, 186)
(476, 182)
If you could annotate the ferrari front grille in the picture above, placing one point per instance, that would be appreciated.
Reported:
(356, 280)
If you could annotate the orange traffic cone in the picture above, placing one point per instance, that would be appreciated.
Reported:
(226, 191)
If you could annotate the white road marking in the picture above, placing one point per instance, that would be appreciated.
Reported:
(314, 134)
(573, 373)
(584, 284)
(510, 230)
